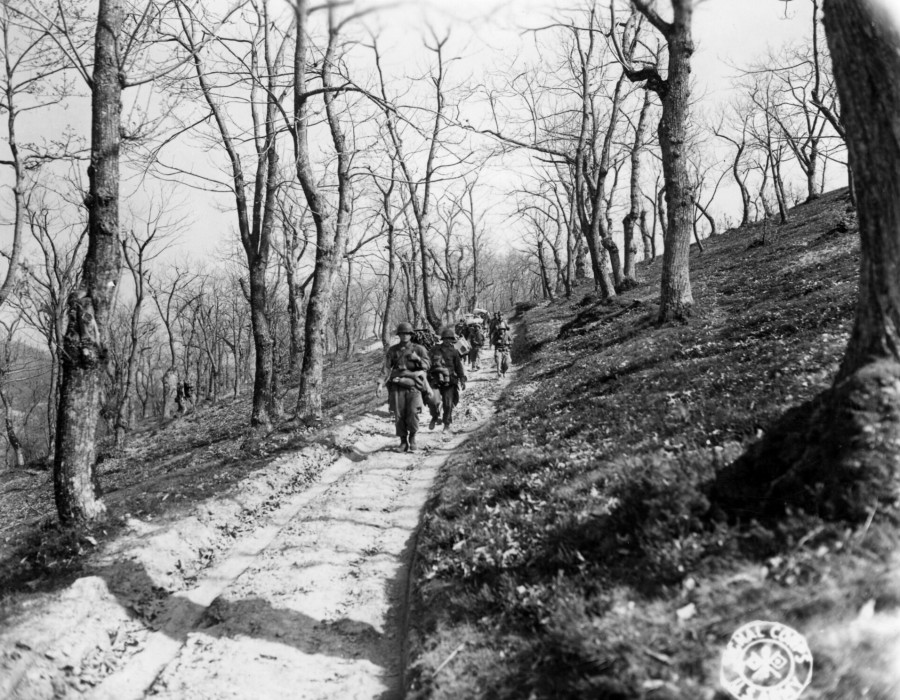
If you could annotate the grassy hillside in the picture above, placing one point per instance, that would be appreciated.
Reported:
(572, 551)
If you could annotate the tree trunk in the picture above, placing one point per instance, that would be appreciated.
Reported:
(587, 206)
(647, 237)
(778, 185)
(837, 455)
(13, 439)
(631, 247)
(706, 215)
(85, 342)
(348, 340)
(331, 229)
(263, 400)
(53, 399)
(742, 186)
(386, 331)
(547, 291)
(676, 298)
(295, 299)
(661, 213)
(124, 409)
(869, 87)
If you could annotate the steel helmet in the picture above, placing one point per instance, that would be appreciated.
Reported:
(404, 327)
(448, 332)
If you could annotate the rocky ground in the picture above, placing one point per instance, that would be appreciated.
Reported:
(292, 583)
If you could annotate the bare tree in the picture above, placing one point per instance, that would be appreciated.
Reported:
(331, 222)
(29, 64)
(674, 91)
(169, 296)
(736, 132)
(295, 241)
(46, 286)
(255, 218)
(137, 252)
(389, 225)
(421, 189)
(85, 341)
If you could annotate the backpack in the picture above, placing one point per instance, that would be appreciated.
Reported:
(462, 346)
(476, 335)
(502, 338)
(440, 374)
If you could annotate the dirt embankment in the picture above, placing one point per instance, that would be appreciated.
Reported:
(292, 584)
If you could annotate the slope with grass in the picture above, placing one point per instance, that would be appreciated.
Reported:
(573, 552)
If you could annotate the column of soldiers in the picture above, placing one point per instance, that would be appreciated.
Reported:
(426, 370)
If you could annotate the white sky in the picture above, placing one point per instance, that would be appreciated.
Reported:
(490, 32)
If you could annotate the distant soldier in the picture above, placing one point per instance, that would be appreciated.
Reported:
(476, 339)
(495, 321)
(502, 342)
(447, 375)
(403, 372)
(461, 329)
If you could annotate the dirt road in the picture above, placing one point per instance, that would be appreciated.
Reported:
(308, 601)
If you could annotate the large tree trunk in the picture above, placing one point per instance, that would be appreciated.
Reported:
(263, 410)
(331, 229)
(89, 307)
(866, 46)
(838, 454)
(676, 298)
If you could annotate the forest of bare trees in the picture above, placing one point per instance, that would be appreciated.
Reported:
(355, 192)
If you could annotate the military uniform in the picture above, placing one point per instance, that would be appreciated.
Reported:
(447, 374)
(502, 341)
(404, 367)
(476, 338)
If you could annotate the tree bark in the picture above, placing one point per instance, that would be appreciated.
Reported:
(86, 338)
(386, 331)
(869, 87)
(837, 455)
(421, 205)
(331, 228)
(631, 247)
(676, 297)
(255, 228)
(589, 213)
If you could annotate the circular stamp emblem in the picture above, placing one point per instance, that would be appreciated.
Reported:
(766, 661)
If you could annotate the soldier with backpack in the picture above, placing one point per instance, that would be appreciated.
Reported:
(476, 339)
(403, 372)
(495, 321)
(447, 375)
(502, 342)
